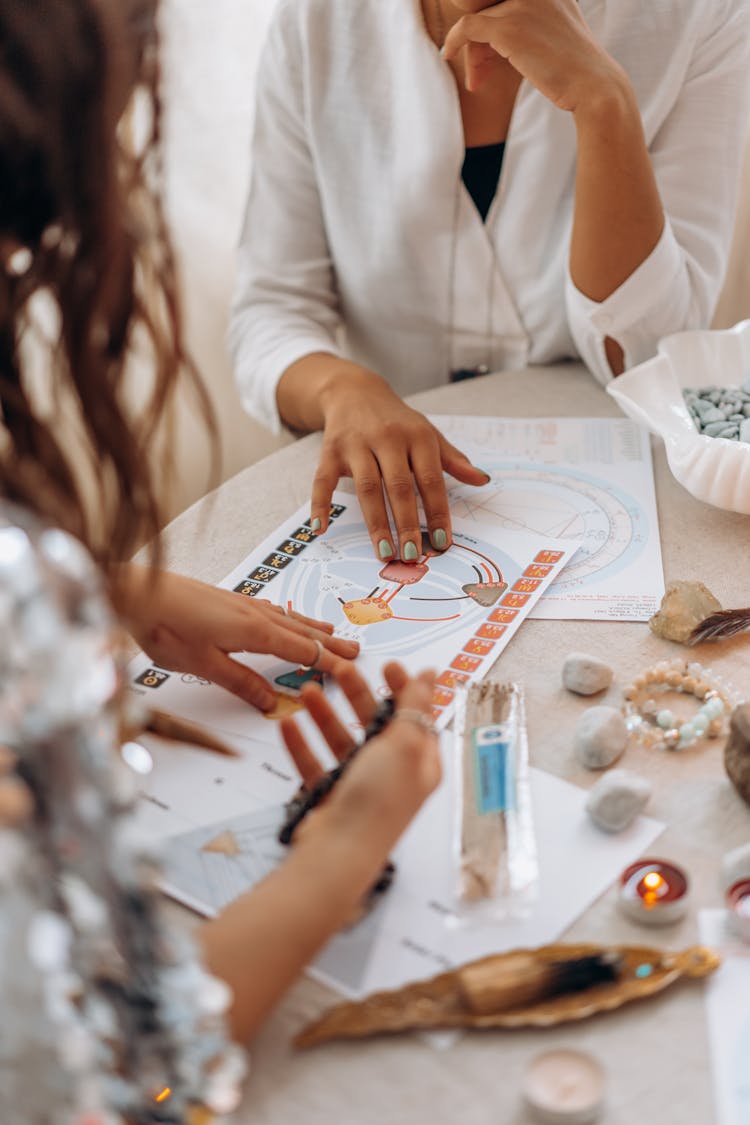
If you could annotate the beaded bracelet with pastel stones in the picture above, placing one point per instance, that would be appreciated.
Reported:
(658, 727)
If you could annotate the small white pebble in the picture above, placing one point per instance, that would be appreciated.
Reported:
(586, 675)
(617, 799)
(600, 737)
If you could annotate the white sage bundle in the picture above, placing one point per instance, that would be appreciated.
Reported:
(496, 845)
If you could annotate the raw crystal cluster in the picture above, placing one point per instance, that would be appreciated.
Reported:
(684, 606)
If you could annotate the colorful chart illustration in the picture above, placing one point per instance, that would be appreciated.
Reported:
(584, 478)
(396, 608)
(612, 527)
(454, 610)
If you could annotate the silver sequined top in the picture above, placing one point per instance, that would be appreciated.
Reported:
(113, 1019)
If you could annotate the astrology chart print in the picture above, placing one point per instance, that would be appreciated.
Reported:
(454, 611)
(584, 478)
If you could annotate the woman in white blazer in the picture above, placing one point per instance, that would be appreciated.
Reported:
(444, 187)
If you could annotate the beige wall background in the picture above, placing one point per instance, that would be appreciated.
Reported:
(210, 54)
(211, 50)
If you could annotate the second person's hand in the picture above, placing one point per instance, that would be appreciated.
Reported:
(188, 626)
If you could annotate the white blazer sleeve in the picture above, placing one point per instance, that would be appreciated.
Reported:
(697, 156)
(285, 303)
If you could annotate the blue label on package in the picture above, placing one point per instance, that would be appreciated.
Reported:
(492, 768)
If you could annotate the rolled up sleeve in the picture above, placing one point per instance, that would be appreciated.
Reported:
(697, 157)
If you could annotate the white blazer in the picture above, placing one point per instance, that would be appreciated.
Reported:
(360, 238)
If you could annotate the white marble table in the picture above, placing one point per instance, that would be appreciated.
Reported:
(656, 1054)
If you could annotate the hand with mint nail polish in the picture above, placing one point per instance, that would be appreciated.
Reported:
(395, 456)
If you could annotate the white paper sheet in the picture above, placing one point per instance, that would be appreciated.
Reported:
(728, 1011)
(217, 820)
(454, 611)
(591, 478)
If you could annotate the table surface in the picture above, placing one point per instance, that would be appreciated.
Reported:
(656, 1053)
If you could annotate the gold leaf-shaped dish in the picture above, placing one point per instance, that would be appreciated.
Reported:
(462, 997)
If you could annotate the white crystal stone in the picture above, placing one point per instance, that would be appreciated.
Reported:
(600, 737)
(617, 799)
(586, 675)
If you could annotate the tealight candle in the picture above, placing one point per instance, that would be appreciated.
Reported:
(564, 1088)
(654, 892)
(738, 904)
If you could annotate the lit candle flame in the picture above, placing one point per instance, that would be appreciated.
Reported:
(162, 1097)
(654, 886)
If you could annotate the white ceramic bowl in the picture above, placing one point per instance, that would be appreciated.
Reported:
(715, 470)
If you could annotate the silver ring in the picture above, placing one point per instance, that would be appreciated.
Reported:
(411, 715)
(316, 661)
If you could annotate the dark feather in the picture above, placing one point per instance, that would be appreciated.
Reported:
(725, 623)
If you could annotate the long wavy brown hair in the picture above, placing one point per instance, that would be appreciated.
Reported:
(85, 265)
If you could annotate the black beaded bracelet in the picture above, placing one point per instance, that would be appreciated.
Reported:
(305, 800)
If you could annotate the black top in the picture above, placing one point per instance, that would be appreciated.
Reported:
(481, 174)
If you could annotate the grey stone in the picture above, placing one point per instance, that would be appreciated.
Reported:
(719, 429)
(617, 799)
(745, 428)
(737, 751)
(684, 605)
(735, 866)
(712, 416)
(600, 737)
(586, 675)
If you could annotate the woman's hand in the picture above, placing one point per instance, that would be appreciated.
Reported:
(339, 849)
(188, 626)
(393, 453)
(392, 775)
(547, 41)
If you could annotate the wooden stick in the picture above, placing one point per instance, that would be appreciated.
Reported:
(175, 729)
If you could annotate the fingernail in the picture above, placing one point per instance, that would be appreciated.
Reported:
(439, 539)
(315, 524)
(385, 550)
(481, 470)
(442, 51)
(410, 551)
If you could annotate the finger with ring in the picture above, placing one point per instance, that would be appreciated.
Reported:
(411, 715)
(318, 656)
